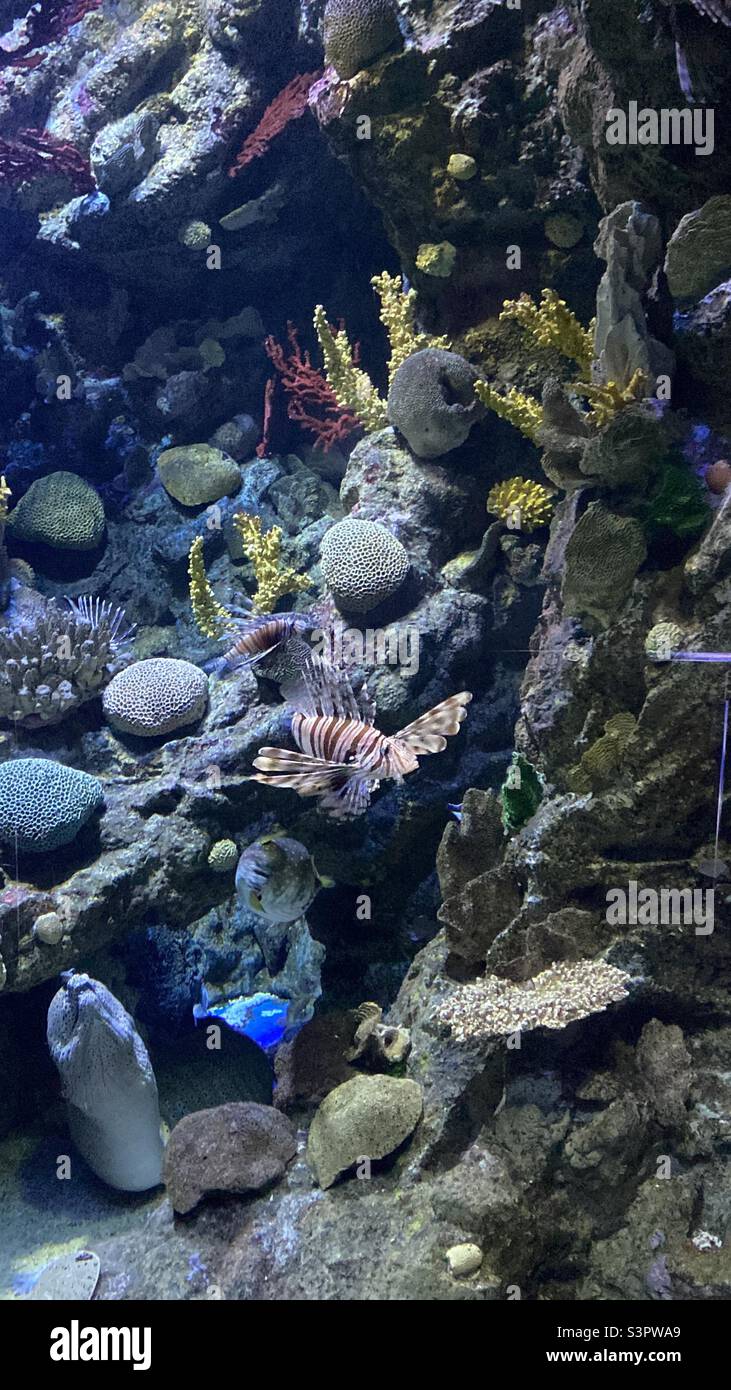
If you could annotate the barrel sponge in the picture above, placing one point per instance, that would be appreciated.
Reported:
(61, 510)
(43, 804)
(363, 564)
(156, 696)
(356, 32)
(432, 401)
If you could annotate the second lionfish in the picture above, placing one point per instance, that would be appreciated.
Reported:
(342, 756)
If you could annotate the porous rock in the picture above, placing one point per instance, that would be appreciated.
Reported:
(239, 1147)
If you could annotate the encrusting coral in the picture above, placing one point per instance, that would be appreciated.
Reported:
(523, 504)
(604, 757)
(493, 1007)
(223, 856)
(662, 640)
(263, 549)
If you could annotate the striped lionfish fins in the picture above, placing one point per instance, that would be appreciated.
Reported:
(258, 637)
(344, 790)
(327, 690)
(427, 733)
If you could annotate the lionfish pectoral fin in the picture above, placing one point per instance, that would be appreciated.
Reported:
(351, 799)
(308, 776)
(429, 733)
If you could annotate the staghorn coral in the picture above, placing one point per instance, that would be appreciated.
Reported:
(552, 324)
(43, 805)
(263, 549)
(363, 564)
(155, 697)
(357, 31)
(432, 401)
(607, 399)
(210, 616)
(567, 991)
(62, 511)
(524, 505)
(514, 406)
(398, 307)
(56, 660)
(352, 386)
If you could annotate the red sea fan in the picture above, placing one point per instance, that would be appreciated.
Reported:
(289, 105)
(44, 24)
(34, 153)
(311, 401)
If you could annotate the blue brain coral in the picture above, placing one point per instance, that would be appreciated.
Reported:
(43, 804)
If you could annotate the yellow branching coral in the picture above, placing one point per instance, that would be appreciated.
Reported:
(524, 505)
(352, 386)
(397, 316)
(605, 400)
(264, 549)
(552, 324)
(211, 617)
(519, 410)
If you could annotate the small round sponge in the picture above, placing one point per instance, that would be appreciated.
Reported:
(363, 564)
(195, 474)
(60, 510)
(43, 804)
(432, 401)
(155, 697)
(356, 32)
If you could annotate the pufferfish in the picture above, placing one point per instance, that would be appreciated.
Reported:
(342, 756)
(277, 878)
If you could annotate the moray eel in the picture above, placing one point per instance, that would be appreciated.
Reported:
(108, 1083)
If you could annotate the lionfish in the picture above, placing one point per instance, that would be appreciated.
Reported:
(342, 756)
(261, 634)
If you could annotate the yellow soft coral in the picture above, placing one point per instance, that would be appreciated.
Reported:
(397, 316)
(210, 615)
(352, 386)
(552, 324)
(606, 399)
(263, 549)
(525, 413)
(5, 495)
(524, 505)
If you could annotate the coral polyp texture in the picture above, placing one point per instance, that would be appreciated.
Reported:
(58, 659)
(155, 697)
(523, 504)
(356, 32)
(363, 564)
(223, 856)
(566, 992)
(662, 640)
(62, 511)
(44, 804)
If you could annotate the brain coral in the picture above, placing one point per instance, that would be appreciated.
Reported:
(432, 401)
(363, 564)
(61, 510)
(43, 804)
(356, 32)
(156, 696)
(603, 555)
(195, 474)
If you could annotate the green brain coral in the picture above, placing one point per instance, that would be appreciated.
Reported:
(60, 510)
(43, 804)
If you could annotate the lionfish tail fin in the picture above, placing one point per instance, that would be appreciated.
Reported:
(429, 733)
